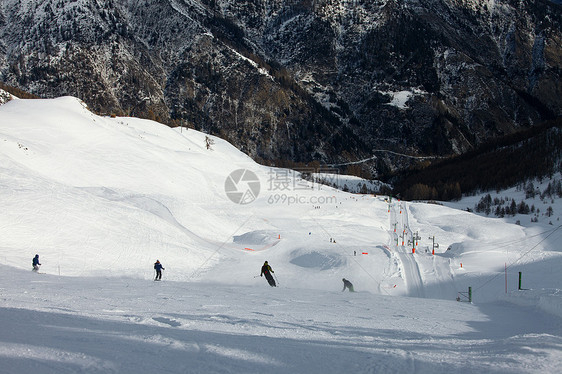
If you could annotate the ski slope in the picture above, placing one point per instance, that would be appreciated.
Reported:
(100, 199)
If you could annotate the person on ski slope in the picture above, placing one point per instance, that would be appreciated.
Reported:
(266, 269)
(158, 267)
(347, 284)
(36, 263)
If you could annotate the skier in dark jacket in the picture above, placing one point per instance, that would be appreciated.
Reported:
(36, 263)
(266, 269)
(158, 267)
(347, 284)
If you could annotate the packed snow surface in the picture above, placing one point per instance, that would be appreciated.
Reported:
(101, 199)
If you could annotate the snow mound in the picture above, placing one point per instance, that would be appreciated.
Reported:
(257, 237)
(318, 260)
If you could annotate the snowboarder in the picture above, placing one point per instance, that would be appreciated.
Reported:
(266, 269)
(158, 267)
(347, 284)
(36, 263)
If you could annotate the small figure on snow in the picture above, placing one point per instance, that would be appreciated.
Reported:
(347, 284)
(266, 269)
(158, 267)
(36, 263)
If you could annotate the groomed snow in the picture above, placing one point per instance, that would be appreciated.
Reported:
(100, 199)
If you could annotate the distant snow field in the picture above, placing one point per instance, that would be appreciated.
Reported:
(101, 199)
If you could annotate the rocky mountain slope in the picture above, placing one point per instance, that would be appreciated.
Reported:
(327, 80)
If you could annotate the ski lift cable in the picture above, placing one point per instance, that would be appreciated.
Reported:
(515, 241)
(386, 151)
(559, 234)
(218, 249)
(519, 258)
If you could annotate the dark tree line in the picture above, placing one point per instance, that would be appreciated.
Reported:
(497, 165)
(17, 92)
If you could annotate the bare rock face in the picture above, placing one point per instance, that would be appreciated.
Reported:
(325, 80)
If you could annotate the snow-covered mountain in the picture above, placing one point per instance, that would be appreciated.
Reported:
(100, 199)
(324, 80)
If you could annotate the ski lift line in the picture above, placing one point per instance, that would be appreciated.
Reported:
(354, 259)
(520, 257)
(386, 151)
(552, 231)
(516, 261)
(219, 248)
(507, 244)
(515, 241)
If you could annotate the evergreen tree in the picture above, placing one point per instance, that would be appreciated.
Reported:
(513, 207)
(523, 208)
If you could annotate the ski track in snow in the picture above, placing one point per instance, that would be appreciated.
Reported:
(125, 326)
(401, 252)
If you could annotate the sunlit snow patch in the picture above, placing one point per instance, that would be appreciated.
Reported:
(52, 357)
(400, 98)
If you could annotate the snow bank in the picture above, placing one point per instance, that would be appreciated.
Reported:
(548, 300)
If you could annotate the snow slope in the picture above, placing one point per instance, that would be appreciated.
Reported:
(126, 325)
(100, 199)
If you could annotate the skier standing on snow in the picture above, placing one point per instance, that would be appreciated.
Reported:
(36, 263)
(158, 267)
(266, 269)
(347, 284)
